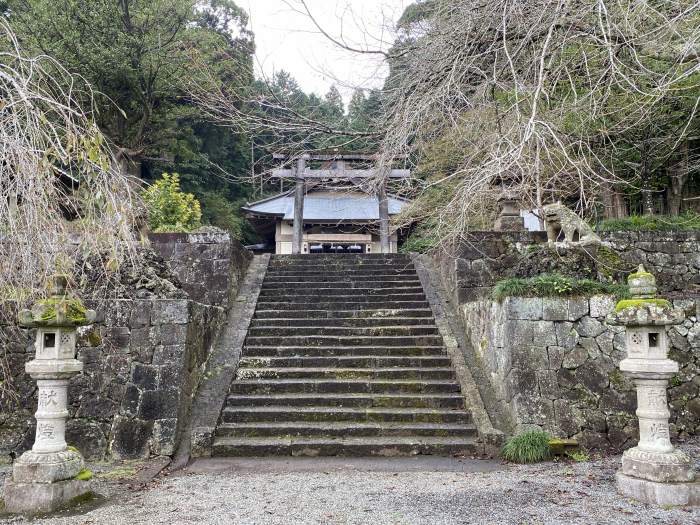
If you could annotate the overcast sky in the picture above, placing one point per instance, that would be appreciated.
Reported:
(288, 40)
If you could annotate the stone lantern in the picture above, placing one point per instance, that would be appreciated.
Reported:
(509, 215)
(653, 471)
(44, 478)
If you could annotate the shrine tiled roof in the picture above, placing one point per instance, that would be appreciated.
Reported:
(326, 205)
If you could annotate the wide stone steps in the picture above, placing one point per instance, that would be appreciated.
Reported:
(290, 283)
(370, 361)
(349, 446)
(307, 386)
(345, 340)
(322, 304)
(325, 413)
(349, 331)
(343, 429)
(444, 401)
(283, 294)
(353, 322)
(367, 313)
(345, 373)
(343, 357)
(338, 351)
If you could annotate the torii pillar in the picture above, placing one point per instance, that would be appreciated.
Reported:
(299, 190)
(383, 218)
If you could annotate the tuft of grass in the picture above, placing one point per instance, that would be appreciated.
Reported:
(531, 446)
(555, 285)
(685, 222)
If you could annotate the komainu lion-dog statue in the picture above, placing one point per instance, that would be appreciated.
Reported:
(576, 232)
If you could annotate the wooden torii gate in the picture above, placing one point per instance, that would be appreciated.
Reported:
(300, 173)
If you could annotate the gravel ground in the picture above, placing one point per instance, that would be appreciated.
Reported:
(354, 492)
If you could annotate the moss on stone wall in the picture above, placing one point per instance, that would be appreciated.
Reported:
(629, 303)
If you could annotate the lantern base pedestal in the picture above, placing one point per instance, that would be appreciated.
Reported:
(670, 467)
(658, 493)
(39, 498)
(35, 467)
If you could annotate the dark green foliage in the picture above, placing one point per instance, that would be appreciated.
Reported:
(555, 285)
(687, 221)
(529, 447)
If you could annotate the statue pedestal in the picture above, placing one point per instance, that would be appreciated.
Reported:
(658, 492)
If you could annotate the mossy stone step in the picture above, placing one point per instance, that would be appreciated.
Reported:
(342, 340)
(371, 361)
(325, 429)
(444, 401)
(257, 351)
(345, 373)
(350, 331)
(345, 414)
(339, 322)
(367, 313)
(362, 446)
(334, 386)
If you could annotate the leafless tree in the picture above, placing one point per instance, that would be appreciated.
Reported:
(536, 95)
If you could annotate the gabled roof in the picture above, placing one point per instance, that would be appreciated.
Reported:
(326, 205)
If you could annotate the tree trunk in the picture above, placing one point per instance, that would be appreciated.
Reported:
(678, 173)
(645, 180)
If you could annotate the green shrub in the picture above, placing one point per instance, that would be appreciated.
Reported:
(687, 221)
(169, 208)
(555, 285)
(529, 447)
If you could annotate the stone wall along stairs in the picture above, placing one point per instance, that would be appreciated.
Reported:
(343, 357)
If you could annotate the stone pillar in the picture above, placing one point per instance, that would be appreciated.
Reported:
(299, 190)
(44, 478)
(509, 217)
(384, 236)
(653, 471)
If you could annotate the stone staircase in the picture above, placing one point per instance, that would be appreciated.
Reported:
(343, 357)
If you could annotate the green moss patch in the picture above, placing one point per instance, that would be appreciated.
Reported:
(75, 310)
(84, 475)
(632, 303)
(555, 285)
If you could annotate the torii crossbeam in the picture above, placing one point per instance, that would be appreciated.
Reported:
(300, 173)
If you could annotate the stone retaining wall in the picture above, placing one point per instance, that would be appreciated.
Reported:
(142, 358)
(673, 257)
(554, 364)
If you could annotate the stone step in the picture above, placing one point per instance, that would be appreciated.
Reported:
(349, 331)
(347, 298)
(280, 414)
(368, 313)
(371, 361)
(347, 271)
(318, 373)
(254, 351)
(326, 430)
(340, 340)
(390, 281)
(362, 446)
(380, 304)
(444, 401)
(356, 264)
(355, 322)
(330, 386)
(321, 291)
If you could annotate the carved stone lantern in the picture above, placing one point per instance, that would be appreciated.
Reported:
(653, 471)
(44, 478)
(509, 216)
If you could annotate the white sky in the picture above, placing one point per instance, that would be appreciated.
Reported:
(288, 40)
